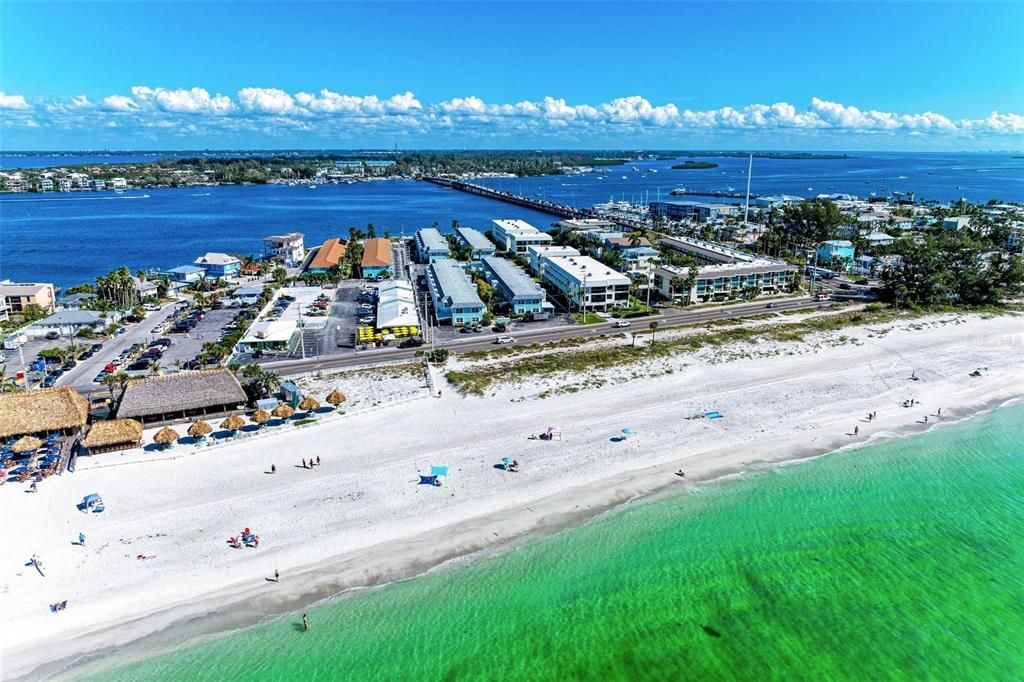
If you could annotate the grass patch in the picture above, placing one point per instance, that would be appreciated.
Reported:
(475, 381)
(590, 318)
(303, 421)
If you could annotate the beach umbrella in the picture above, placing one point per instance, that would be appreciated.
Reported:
(260, 417)
(309, 403)
(627, 432)
(232, 423)
(336, 397)
(27, 444)
(200, 429)
(165, 436)
(282, 411)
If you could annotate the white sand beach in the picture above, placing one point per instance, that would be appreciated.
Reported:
(361, 519)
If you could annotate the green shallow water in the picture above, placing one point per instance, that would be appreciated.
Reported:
(903, 560)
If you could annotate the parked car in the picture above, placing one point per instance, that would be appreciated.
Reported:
(500, 328)
(52, 336)
(70, 364)
(505, 339)
(411, 342)
(49, 382)
(99, 377)
(165, 342)
(96, 347)
(57, 372)
(151, 307)
(143, 363)
(110, 368)
(365, 320)
(619, 324)
(845, 285)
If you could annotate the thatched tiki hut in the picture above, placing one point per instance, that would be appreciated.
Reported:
(336, 397)
(116, 434)
(47, 410)
(282, 412)
(232, 423)
(200, 429)
(27, 444)
(183, 395)
(165, 436)
(260, 417)
(309, 403)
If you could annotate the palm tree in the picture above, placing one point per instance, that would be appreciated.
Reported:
(676, 284)
(154, 369)
(118, 380)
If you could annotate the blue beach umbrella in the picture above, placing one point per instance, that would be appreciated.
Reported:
(627, 432)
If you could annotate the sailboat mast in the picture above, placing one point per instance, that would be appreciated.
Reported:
(746, 208)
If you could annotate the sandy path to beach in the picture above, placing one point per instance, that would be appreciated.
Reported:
(360, 518)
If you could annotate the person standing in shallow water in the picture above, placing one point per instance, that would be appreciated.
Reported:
(305, 622)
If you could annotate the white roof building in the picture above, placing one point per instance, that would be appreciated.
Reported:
(396, 305)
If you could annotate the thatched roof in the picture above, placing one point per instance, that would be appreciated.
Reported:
(181, 391)
(260, 416)
(232, 423)
(309, 403)
(200, 429)
(47, 409)
(336, 397)
(282, 411)
(166, 436)
(27, 444)
(113, 432)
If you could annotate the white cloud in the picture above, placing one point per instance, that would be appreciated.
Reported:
(119, 103)
(12, 101)
(259, 109)
(266, 101)
(182, 101)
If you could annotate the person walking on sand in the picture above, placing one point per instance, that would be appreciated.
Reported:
(277, 576)
(318, 460)
(81, 539)
(856, 430)
(273, 468)
(926, 419)
(304, 463)
(305, 622)
(938, 412)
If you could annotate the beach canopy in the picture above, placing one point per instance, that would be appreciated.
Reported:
(200, 429)
(506, 460)
(627, 432)
(309, 403)
(554, 429)
(165, 436)
(438, 471)
(336, 397)
(232, 423)
(428, 480)
(260, 417)
(282, 411)
(27, 444)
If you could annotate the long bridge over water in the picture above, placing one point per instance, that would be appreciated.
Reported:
(542, 205)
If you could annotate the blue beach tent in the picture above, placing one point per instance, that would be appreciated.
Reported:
(438, 471)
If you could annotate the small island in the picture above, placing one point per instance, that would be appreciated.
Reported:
(694, 165)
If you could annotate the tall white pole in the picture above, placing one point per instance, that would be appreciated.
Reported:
(746, 208)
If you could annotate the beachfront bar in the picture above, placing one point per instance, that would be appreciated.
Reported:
(182, 395)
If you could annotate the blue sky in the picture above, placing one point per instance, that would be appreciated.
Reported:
(825, 75)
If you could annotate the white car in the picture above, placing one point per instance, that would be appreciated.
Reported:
(151, 307)
(505, 339)
(620, 324)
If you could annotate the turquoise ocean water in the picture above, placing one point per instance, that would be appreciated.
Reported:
(902, 560)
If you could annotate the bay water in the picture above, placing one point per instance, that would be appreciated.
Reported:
(902, 560)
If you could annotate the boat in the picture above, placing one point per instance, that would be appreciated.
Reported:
(625, 177)
(312, 186)
(678, 191)
(730, 188)
(810, 189)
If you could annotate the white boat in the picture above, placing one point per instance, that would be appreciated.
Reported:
(678, 191)
(625, 177)
(312, 186)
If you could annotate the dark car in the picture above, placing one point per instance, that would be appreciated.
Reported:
(411, 342)
(165, 342)
(84, 356)
(49, 381)
(52, 336)
(57, 372)
(139, 365)
(70, 364)
(500, 328)
(845, 285)
(862, 282)
(96, 347)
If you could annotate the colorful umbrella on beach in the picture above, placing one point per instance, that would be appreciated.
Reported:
(27, 444)
(336, 397)
(200, 429)
(232, 423)
(165, 436)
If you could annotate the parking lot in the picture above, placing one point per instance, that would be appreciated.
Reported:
(185, 346)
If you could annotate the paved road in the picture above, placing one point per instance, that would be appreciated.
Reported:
(670, 317)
